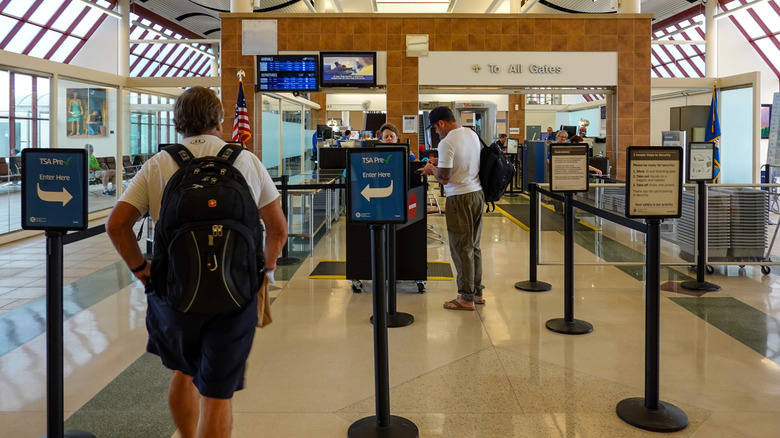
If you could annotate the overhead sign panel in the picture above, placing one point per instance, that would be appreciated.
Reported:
(519, 69)
(54, 189)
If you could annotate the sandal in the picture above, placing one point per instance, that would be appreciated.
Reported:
(455, 305)
(480, 301)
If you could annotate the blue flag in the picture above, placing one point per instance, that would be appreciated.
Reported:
(712, 133)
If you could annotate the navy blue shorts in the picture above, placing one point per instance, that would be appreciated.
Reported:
(213, 348)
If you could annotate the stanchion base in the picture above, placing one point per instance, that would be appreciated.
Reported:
(76, 434)
(533, 286)
(703, 286)
(367, 428)
(286, 261)
(667, 418)
(573, 327)
(397, 319)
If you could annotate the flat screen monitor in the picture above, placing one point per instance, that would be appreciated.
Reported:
(511, 145)
(354, 135)
(287, 73)
(571, 130)
(348, 69)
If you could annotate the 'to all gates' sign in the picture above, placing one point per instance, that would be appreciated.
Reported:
(54, 189)
(376, 185)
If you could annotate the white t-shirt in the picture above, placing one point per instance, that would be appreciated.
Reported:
(146, 188)
(459, 151)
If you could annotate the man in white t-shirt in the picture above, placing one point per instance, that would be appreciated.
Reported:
(207, 353)
(457, 168)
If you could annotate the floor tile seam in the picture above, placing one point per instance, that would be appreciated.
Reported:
(547, 363)
(411, 378)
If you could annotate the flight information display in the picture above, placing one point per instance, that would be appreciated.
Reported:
(287, 72)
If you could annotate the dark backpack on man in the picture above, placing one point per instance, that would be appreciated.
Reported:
(208, 241)
(495, 173)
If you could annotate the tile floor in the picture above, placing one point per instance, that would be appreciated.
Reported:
(497, 372)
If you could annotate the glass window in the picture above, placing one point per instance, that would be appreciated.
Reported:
(45, 44)
(17, 8)
(42, 87)
(68, 16)
(752, 28)
(5, 96)
(23, 95)
(45, 11)
(6, 24)
(86, 23)
(138, 67)
(22, 39)
(65, 50)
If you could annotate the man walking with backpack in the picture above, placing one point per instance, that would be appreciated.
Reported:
(458, 169)
(206, 352)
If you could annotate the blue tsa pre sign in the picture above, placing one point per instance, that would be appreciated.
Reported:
(376, 185)
(54, 189)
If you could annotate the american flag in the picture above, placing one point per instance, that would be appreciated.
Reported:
(241, 130)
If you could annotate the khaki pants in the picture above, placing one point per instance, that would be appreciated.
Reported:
(464, 228)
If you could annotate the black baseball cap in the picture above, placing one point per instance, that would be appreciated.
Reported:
(439, 113)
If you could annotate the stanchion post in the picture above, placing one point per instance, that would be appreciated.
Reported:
(568, 325)
(383, 424)
(532, 285)
(394, 318)
(54, 342)
(700, 283)
(649, 412)
(54, 348)
(285, 259)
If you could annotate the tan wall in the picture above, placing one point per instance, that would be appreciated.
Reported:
(626, 34)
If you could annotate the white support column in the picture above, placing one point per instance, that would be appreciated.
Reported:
(514, 6)
(215, 61)
(711, 40)
(319, 6)
(123, 37)
(240, 5)
(629, 6)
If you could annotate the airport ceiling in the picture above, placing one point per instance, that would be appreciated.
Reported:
(202, 16)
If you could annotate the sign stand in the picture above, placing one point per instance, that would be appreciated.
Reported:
(382, 424)
(533, 285)
(54, 345)
(649, 412)
(54, 199)
(700, 283)
(653, 191)
(568, 325)
(376, 194)
(701, 158)
(568, 174)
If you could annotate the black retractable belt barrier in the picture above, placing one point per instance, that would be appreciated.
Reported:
(285, 260)
(701, 243)
(533, 285)
(383, 424)
(54, 343)
(394, 318)
(568, 325)
(649, 412)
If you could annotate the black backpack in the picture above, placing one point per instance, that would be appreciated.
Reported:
(208, 241)
(495, 173)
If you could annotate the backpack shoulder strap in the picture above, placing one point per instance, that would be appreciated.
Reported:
(180, 154)
(229, 153)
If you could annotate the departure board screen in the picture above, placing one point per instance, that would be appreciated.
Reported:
(287, 72)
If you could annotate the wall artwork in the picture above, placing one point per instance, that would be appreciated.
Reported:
(766, 111)
(86, 109)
